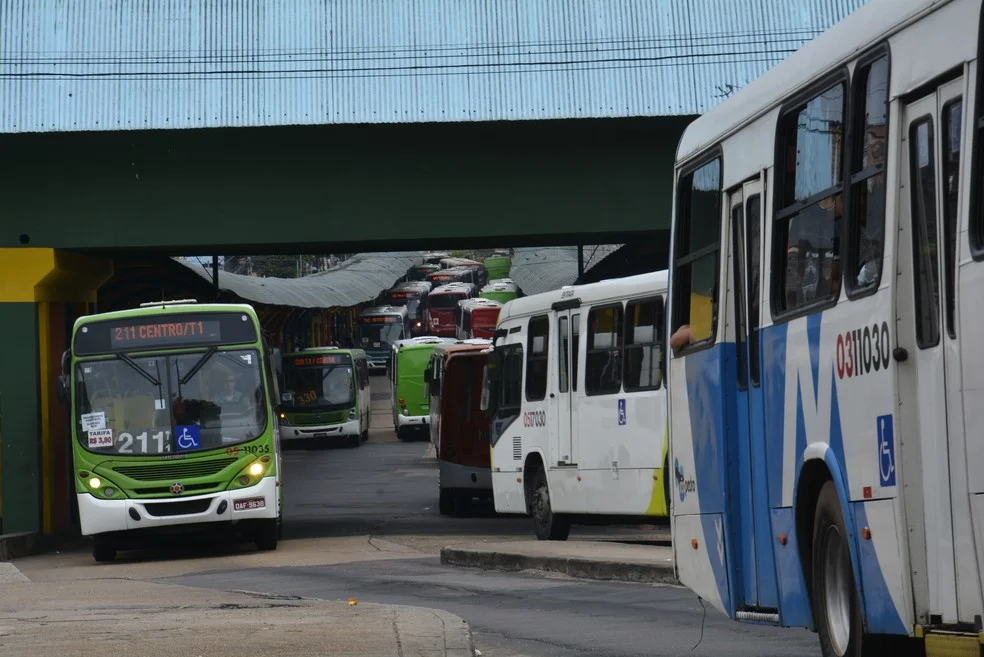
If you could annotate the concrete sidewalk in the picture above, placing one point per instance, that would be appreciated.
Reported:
(138, 619)
(605, 560)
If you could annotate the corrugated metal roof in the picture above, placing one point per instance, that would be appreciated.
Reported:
(543, 269)
(117, 65)
(357, 280)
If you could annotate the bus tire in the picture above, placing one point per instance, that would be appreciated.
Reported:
(547, 525)
(365, 435)
(836, 606)
(445, 502)
(354, 441)
(103, 548)
(463, 503)
(267, 535)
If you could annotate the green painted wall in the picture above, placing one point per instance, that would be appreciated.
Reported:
(374, 187)
(20, 415)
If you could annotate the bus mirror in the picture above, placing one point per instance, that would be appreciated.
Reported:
(278, 361)
(66, 361)
(62, 389)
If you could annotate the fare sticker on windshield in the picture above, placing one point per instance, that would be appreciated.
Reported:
(101, 438)
(93, 421)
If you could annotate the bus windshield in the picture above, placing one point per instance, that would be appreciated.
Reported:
(376, 334)
(318, 387)
(166, 404)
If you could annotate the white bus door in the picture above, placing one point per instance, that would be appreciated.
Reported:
(563, 435)
(946, 581)
(748, 498)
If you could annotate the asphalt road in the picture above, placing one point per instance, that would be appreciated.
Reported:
(388, 489)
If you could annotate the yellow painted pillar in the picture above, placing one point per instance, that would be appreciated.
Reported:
(36, 288)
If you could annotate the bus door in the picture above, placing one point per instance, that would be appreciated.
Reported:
(564, 438)
(756, 584)
(929, 375)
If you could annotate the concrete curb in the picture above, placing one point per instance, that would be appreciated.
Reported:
(23, 544)
(454, 639)
(585, 568)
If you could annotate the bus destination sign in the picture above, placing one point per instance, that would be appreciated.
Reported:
(155, 333)
(323, 359)
(162, 331)
(381, 319)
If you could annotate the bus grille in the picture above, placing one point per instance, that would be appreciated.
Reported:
(178, 508)
(305, 420)
(174, 470)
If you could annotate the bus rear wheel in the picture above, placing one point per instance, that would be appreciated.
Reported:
(548, 525)
(103, 548)
(445, 502)
(836, 607)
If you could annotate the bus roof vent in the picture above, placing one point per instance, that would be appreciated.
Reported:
(172, 302)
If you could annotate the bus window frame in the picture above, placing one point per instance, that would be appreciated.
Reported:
(975, 228)
(783, 214)
(856, 110)
(691, 166)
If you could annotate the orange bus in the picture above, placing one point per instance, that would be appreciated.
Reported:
(458, 426)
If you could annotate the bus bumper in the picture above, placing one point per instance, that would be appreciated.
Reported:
(412, 420)
(98, 516)
(455, 475)
(350, 428)
(508, 493)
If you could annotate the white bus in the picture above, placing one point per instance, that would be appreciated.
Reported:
(577, 405)
(826, 407)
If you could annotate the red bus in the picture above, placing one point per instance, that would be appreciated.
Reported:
(477, 318)
(445, 276)
(443, 310)
(458, 425)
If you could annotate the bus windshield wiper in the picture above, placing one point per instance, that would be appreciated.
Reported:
(141, 371)
(197, 366)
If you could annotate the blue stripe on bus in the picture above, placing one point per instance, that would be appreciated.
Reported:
(704, 370)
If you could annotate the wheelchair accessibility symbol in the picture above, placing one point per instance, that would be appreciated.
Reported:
(189, 437)
(886, 450)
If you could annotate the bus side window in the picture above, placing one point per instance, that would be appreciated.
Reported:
(603, 366)
(698, 241)
(575, 347)
(536, 358)
(643, 345)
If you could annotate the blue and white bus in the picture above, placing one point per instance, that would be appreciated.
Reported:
(827, 298)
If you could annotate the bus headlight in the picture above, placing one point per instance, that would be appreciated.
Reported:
(283, 420)
(351, 413)
(95, 483)
(256, 469)
(109, 491)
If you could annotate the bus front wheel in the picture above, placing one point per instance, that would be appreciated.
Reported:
(836, 607)
(267, 534)
(103, 548)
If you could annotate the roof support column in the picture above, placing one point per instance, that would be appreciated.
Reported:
(41, 293)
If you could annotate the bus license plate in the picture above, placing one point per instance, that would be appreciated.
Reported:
(249, 504)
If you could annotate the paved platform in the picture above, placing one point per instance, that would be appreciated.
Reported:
(147, 619)
(598, 559)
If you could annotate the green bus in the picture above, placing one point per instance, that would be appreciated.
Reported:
(501, 290)
(498, 265)
(173, 423)
(325, 396)
(411, 401)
